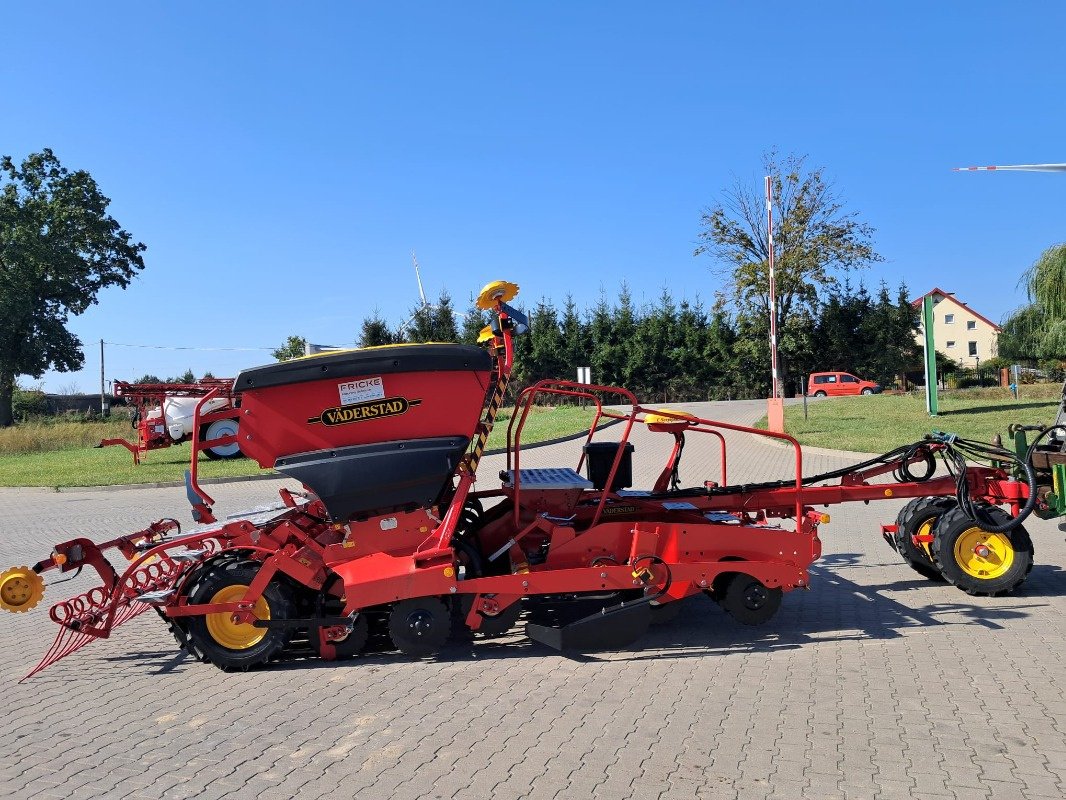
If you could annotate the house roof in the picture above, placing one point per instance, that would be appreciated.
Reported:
(950, 296)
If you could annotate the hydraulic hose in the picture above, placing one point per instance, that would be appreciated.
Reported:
(955, 453)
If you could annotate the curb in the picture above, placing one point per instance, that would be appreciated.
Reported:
(122, 487)
(274, 476)
(823, 451)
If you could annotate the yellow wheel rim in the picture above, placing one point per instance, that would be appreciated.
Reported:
(496, 292)
(981, 554)
(20, 589)
(924, 530)
(236, 635)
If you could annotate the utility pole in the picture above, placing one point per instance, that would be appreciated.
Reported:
(104, 409)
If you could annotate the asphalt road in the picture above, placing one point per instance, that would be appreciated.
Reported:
(874, 684)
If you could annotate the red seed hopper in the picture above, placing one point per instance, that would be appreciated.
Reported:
(366, 430)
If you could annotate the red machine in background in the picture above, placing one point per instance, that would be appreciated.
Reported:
(390, 540)
(164, 414)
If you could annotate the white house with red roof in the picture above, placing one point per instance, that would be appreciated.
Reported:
(959, 332)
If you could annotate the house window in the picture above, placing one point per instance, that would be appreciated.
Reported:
(951, 342)
(949, 319)
(971, 325)
(973, 348)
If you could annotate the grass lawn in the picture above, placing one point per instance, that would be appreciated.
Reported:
(879, 423)
(79, 465)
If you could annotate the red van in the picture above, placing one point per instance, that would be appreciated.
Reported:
(835, 384)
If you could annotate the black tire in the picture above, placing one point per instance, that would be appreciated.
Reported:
(211, 431)
(419, 627)
(867, 391)
(202, 641)
(747, 600)
(1011, 553)
(820, 393)
(919, 517)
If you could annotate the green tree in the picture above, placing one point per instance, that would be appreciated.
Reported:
(545, 344)
(433, 322)
(473, 323)
(375, 332)
(814, 238)
(58, 249)
(186, 377)
(294, 347)
(444, 327)
(1038, 330)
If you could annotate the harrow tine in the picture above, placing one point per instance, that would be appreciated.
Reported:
(69, 641)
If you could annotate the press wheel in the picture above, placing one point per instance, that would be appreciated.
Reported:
(420, 626)
(980, 562)
(749, 601)
(233, 645)
(918, 518)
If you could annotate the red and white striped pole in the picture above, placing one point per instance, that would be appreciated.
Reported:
(774, 391)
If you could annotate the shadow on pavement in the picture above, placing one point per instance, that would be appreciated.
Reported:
(835, 609)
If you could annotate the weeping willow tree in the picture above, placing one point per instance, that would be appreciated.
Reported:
(1038, 330)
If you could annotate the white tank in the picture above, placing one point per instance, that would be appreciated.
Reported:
(178, 412)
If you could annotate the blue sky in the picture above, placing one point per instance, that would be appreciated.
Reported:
(283, 160)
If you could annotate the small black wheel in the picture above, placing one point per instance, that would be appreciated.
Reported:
(348, 645)
(979, 562)
(749, 601)
(215, 638)
(820, 393)
(420, 626)
(919, 518)
(216, 430)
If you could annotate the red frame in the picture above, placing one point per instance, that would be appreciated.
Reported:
(648, 541)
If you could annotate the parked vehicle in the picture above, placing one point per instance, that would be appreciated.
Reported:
(835, 384)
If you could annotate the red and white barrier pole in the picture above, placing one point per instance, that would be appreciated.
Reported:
(775, 407)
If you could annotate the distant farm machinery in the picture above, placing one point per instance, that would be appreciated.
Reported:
(166, 414)
(389, 540)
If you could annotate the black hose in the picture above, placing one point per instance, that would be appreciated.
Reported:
(955, 453)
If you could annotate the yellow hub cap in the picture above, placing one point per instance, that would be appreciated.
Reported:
(236, 635)
(982, 554)
(20, 589)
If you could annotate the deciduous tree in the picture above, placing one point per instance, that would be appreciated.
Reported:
(815, 237)
(58, 249)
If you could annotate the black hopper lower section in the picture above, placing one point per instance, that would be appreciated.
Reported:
(379, 478)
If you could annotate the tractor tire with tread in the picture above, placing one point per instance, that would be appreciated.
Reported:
(919, 517)
(1006, 565)
(242, 646)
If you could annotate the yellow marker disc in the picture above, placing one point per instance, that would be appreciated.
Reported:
(20, 589)
(658, 421)
(449, 572)
(485, 335)
(496, 292)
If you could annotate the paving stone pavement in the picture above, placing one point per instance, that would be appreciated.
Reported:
(874, 684)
